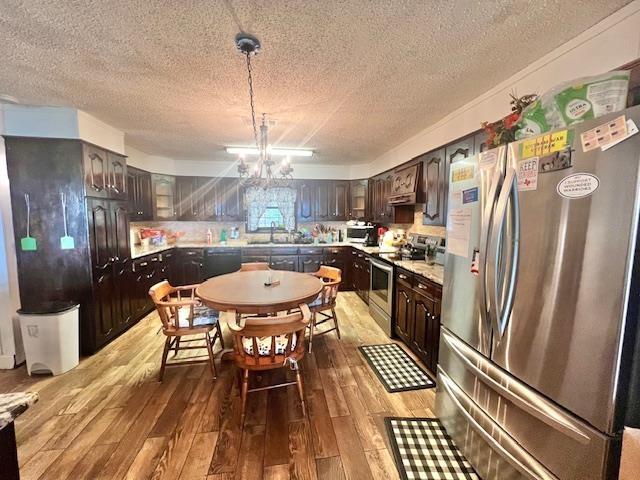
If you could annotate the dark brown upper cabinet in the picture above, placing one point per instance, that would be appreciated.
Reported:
(480, 142)
(96, 171)
(339, 201)
(305, 210)
(117, 176)
(359, 199)
(436, 179)
(323, 201)
(460, 149)
(105, 173)
(139, 195)
(163, 192)
(231, 200)
(186, 202)
(209, 198)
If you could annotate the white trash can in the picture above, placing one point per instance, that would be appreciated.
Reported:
(51, 339)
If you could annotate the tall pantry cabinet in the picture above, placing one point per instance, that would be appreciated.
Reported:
(96, 272)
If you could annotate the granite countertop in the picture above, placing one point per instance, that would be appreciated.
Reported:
(12, 405)
(138, 251)
(434, 272)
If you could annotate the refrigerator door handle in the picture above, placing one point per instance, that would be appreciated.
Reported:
(541, 411)
(506, 448)
(487, 218)
(501, 313)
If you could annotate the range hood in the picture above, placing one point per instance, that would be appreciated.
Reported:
(405, 187)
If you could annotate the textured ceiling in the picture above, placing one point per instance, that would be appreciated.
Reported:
(350, 79)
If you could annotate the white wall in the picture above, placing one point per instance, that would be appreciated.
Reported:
(97, 132)
(60, 122)
(158, 164)
(10, 350)
(607, 45)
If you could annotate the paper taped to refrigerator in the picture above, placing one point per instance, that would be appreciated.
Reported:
(603, 135)
(528, 174)
(459, 231)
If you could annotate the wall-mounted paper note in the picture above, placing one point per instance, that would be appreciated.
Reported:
(459, 231)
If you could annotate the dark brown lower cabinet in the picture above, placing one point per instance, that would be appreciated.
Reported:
(284, 262)
(111, 302)
(309, 263)
(417, 316)
(189, 266)
(361, 272)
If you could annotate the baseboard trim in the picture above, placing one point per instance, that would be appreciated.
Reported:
(7, 362)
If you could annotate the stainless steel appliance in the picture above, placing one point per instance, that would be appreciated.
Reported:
(381, 294)
(419, 247)
(540, 307)
(362, 234)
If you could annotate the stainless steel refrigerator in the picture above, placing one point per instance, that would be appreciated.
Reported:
(540, 306)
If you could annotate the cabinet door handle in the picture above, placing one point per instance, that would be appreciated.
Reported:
(143, 264)
(353, 253)
(401, 276)
(421, 287)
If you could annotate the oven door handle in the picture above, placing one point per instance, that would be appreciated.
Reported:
(382, 266)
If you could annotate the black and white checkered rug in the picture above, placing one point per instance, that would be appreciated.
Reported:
(423, 450)
(397, 371)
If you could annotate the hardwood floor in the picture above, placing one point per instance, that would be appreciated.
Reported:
(109, 418)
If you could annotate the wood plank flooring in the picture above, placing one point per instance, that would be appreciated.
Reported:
(109, 418)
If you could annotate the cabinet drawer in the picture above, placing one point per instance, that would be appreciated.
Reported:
(284, 251)
(254, 252)
(191, 252)
(255, 258)
(405, 278)
(284, 262)
(427, 287)
(310, 250)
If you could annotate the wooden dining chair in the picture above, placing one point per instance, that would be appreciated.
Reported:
(326, 301)
(183, 315)
(267, 343)
(254, 266)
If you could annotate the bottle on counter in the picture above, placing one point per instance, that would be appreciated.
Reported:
(209, 237)
(223, 237)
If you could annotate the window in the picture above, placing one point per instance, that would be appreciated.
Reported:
(265, 206)
(271, 215)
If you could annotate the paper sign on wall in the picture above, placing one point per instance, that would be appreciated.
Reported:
(528, 175)
(459, 231)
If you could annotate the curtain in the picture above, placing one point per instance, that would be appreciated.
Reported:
(258, 199)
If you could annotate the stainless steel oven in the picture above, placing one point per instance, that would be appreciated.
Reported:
(381, 294)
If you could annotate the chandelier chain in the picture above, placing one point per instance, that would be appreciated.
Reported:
(253, 110)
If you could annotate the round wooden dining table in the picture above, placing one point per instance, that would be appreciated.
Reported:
(246, 292)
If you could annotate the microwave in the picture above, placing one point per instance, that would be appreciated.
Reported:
(362, 234)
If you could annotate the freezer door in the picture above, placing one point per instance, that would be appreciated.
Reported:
(473, 189)
(506, 429)
(563, 334)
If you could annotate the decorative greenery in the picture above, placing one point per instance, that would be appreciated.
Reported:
(504, 130)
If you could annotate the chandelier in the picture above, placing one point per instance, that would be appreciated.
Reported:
(265, 172)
